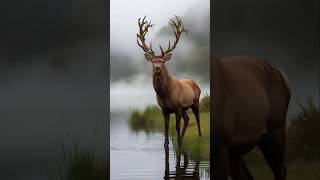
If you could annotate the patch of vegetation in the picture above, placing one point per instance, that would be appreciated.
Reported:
(296, 170)
(304, 133)
(205, 103)
(79, 160)
(150, 119)
(303, 147)
(79, 163)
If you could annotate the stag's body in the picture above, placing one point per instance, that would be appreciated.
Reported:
(176, 96)
(250, 100)
(173, 96)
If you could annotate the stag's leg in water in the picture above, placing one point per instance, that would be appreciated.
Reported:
(195, 109)
(185, 123)
(166, 117)
(166, 172)
(238, 169)
(178, 120)
(272, 145)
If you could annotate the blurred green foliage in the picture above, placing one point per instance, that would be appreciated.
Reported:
(304, 133)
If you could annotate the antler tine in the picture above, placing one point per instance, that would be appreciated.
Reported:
(144, 26)
(178, 29)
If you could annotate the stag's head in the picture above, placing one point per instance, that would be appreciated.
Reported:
(158, 60)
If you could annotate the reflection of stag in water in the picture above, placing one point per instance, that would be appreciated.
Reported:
(182, 172)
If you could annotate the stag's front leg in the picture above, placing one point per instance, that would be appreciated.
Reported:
(178, 120)
(166, 117)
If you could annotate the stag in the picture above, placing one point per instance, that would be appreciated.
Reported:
(173, 95)
(250, 101)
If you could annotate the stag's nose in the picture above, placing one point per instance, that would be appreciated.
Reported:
(157, 68)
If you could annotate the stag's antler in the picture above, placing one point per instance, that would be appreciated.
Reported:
(178, 29)
(143, 29)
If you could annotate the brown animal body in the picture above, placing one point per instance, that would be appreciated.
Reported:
(250, 101)
(173, 95)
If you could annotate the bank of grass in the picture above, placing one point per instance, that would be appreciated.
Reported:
(197, 147)
(303, 147)
(151, 119)
(79, 163)
(298, 168)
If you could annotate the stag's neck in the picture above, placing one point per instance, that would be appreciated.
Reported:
(162, 83)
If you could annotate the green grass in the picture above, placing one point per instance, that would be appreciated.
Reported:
(205, 103)
(79, 163)
(78, 160)
(198, 147)
(297, 169)
(151, 119)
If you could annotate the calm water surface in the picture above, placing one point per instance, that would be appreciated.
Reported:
(142, 156)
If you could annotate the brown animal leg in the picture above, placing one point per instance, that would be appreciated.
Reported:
(238, 169)
(166, 117)
(220, 161)
(195, 110)
(167, 169)
(272, 145)
(178, 120)
(185, 123)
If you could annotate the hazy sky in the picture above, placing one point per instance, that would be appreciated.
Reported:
(125, 13)
(190, 58)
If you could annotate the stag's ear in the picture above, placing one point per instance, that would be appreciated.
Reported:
(167, 57)
(148, 57)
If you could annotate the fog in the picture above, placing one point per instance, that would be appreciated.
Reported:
(53, 58)
(190, 58)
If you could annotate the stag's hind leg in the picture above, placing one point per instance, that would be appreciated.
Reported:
(195, 110)
(272, 145)
(178, 121)
(185, 123)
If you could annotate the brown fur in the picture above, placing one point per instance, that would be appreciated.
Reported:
(250, 100)
(173, 96)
